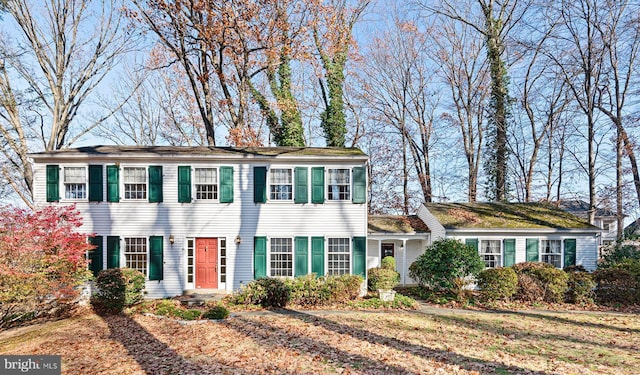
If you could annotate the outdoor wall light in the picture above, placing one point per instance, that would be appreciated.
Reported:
(171, 239)
(238, 240)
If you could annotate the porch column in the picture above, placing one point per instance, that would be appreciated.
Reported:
(404, 261)
(379, 257)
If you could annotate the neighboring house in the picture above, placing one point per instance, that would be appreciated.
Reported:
(605, 219)
(509, 233)
(402, 237)
(214, 218)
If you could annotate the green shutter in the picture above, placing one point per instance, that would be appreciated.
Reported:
(259, 257)
(95, 255)
(155, 184)
(95, 183)
(302, 256)
(53, 183)
(532, 250)
(155, 257)
(359, 256)
(184, 184)
(570, 252)
(317, 185)
(259, 184)
(359, 185)
(226, 184)
(113, 252)
(317, 255)
(113, 183)
(509, 252)
(302, 185)
(473, 242)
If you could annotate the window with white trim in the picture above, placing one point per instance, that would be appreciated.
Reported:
(222, 248)
(281, 256)
(75, 182)
(135, 182)
(490, 253)
(206, 183)
(135, 253)
(339, 184)
(551, 252)
(338, 256)
(280, 184)
(190, 259)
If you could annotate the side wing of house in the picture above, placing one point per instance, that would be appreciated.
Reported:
(211, 222)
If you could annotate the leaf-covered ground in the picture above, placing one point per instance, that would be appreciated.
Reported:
(428, 341)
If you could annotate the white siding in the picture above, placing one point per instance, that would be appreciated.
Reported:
(207, 219)
(586, 243)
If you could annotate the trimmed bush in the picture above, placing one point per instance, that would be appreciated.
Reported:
(267, 292)
(388, 263)
(343, 288)
(382, 278)
(118, 288)
(498, 283)
(580, 288)
(551, 281)
(443, 262)
(619, 283)
(216, 312)
(308, 290)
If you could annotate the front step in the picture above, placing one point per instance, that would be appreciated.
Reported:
(199, 297)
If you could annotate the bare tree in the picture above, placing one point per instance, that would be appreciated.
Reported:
(465, 73)
(64, 50)
(620, 33)
(399, 93)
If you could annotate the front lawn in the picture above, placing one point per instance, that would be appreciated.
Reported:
(431, 340)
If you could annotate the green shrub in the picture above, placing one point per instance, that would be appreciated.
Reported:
(308, 290)
(498, 283)
(165, 307)
(191, 314)
(343, 288)
(382, 278)
(267, 292)
(619, 283)
(580, 288)
(443, 262)
(542, 278)
(620, 252)
(118, 288)
(388, 263)
(216, 312)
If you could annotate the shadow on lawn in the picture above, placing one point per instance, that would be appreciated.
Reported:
(153, 355)
(506, 331)
(557, 319)
(438, 355)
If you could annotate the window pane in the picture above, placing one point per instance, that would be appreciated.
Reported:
(75, 186)
(74, 175)
(281, 257)
(135, 253)
(281, 184)
(338, 256)
(135, 183)
(552, 252)
(490, 253)
(206, 183)
(339, 184)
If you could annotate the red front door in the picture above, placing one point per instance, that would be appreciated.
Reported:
(206, 262)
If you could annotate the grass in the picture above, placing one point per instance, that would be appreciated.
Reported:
(431, 340)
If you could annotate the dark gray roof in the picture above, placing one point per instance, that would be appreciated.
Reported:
(581, 208)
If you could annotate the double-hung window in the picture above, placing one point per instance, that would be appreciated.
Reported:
(490, 253)
(552, 252)
(135, 253)
(339, 184)
(75, 182)
(206, 183)
(338, 256)
(135, 182)
(281, 184)
(281, 257)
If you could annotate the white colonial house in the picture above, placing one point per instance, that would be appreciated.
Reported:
(213, 217)
(509, 233)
